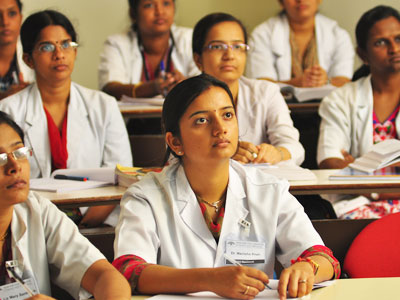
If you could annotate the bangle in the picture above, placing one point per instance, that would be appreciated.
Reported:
(313, 264)
(134, 89)
(374, 196)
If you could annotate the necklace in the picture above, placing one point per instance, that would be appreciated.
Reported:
(212, 204)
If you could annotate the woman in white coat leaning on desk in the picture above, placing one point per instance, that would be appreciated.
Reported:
(176, 226)
(365, 112)
(301, 47)
(266, 130)
(66, 125)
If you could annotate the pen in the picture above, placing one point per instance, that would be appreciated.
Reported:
(14, 275)
(236, 263)
(77, 178)
(163, 75)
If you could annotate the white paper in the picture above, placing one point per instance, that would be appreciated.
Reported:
(265, 294)
(156, 101)
(63, 185)
(97, 174)
(303, 94)
(287, 170)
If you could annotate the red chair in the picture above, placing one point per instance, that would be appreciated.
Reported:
(375, 252)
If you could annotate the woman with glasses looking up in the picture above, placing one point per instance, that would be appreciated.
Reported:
(45, 244)
(266, 130)
(66, 125)
(14, 73)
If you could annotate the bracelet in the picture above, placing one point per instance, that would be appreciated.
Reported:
(375, 196)
(134, 89)
(313, 264)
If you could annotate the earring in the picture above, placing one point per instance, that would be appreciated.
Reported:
(180, 153)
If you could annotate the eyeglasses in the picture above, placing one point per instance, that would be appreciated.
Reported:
(65, 46)
(19, 154)
(222, 47)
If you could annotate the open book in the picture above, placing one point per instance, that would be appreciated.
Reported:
(381, 155)
(305, 94)
(95, 178)
(156, 101)
(385, 174)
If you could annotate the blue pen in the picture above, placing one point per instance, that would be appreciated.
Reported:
(163, 75)
(236, 263)
(77, 178)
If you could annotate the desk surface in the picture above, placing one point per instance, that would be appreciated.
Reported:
(322, 185)
(349, 289)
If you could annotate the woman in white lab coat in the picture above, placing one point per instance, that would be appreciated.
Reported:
(301, 47)
(151, 57)
(43, 244)
(15, 75)
(266, 130)
(176, 226)
(67, 125)
(365, 112)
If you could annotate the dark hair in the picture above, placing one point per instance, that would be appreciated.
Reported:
(6, 119)
(133, 5)
(205, 24)
(363, 27)
(36, 22)
(19, 4)
(179, 99)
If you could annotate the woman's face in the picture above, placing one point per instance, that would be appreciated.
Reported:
(155, 17)
(57, 65)
(225, 64)
(208, 128)
(300, 10)
(383, 47)
(14, 175)
(10, 22)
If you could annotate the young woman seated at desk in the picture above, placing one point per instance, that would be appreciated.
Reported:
(14, 73)
(301, 47)
(33, 233)
(366, 111)
(266, 130)
(66, 125)
(176, 226)
(151, 57)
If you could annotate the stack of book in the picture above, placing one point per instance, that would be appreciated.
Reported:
(129, 175)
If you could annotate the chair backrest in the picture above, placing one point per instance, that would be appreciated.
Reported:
(148, 150)
(375, 252)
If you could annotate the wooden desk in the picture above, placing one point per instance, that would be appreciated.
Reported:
(135, 111)
(92, 197)
(347, 289)
(322, 185)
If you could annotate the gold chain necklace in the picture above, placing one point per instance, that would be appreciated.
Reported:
(212, 204)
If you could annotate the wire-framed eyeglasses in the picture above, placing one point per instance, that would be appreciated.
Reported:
(19, 154)
(222, 47)
(49, 47)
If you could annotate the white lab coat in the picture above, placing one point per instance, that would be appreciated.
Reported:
(48, 245)
(264, 117)
(161, 220)
(270, 51)
(96, 133)
(121, 60)
(346, 121)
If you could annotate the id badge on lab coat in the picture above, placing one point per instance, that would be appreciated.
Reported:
(245, 252)
(14, 291)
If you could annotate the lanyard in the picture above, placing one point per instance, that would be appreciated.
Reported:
(148, 74)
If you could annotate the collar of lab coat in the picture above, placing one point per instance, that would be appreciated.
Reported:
(19, 239)
(36, 119)
(191, 213)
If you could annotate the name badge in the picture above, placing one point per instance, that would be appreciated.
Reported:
(246, 252)
(14, 291)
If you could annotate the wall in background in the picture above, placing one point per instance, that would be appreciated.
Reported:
(94, 20)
